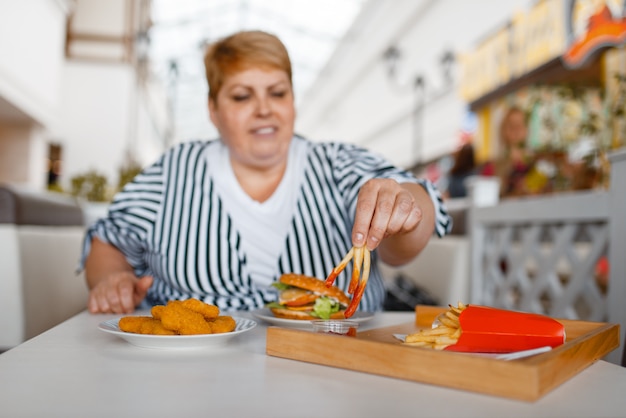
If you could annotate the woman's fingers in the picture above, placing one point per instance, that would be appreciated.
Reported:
(365, 207)
(384, 208)
(406, 214)
(118, 293)
(141, 288)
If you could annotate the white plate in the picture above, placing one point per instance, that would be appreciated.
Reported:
(266, 315)
(178, 341)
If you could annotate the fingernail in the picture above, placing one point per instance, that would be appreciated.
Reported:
(373, 242)
(358, 238)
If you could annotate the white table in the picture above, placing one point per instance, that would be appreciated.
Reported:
(76, 370)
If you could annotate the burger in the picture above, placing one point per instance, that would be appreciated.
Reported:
(307, 298)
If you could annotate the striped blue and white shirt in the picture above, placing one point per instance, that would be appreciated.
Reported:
(171, 222)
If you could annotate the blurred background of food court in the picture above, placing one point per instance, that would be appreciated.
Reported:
(499, 103)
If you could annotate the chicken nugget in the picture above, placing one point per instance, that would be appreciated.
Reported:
(157, 311)
(206, 310)
(184, 321)
(222, 324)
(134, 324)
(143, 325)
(155, 327)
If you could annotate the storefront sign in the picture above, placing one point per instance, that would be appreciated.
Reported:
(594, 25)
(568, 29)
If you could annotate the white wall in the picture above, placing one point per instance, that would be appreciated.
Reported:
(105, 117)
(93, 108)
(31, 51)
(153, 130)
(354, 100)
(32, 37)
(96, 107)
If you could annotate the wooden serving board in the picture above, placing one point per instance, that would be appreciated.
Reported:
(378, 352)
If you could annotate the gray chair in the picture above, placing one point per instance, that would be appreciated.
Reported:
(40, 240)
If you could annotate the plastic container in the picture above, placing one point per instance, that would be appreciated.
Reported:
(336, 326)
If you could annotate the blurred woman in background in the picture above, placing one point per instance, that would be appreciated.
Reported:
(515, 160)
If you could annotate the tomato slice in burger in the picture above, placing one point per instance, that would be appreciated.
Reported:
(302, 300)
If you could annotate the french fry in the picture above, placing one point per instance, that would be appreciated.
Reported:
(445, 333)
(449, 322)
(439, 346)
(418, 344)
(360, 275)
(426, 333)
(457, 334)
(452, 315)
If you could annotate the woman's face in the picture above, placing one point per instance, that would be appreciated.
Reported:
(515, 130)
(254, 114)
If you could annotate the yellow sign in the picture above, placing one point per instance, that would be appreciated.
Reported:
(530, 40)
(573, 30)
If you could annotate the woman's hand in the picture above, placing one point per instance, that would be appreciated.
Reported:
(397, 217)
(113, 286)
(118, 293)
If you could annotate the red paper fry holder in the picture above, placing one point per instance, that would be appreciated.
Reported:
(492, 330)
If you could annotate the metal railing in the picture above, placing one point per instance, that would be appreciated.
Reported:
(539, 254)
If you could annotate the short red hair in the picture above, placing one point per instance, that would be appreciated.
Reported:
(241, 51)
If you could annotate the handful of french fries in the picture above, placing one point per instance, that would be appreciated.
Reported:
(446, 332)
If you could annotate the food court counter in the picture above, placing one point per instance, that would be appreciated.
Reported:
(77, 370)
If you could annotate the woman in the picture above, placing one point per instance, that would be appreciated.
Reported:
(516, 160)
(221, 220)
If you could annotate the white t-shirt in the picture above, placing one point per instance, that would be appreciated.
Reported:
(263, 226)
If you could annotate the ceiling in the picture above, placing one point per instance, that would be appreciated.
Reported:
(181, 29)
